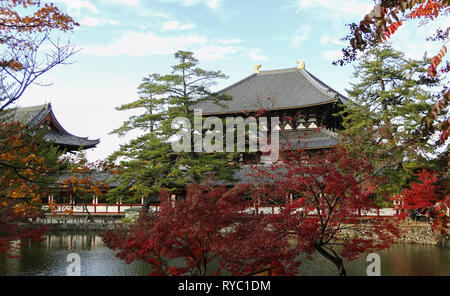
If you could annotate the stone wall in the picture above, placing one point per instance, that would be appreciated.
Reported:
(418, 234)
(414, 233)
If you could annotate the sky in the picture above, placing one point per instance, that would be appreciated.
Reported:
(122, 41)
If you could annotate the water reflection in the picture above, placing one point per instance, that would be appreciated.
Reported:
(49, 258)
(398, 260)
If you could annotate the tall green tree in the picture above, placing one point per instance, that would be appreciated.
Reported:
(384, 117)
(148, 163)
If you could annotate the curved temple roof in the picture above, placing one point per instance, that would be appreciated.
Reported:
(37, 116)
(287, 89)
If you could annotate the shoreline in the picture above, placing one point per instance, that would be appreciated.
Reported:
(419, 233)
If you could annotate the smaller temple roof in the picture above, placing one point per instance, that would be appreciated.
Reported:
(308, 139)
(247, 175)
(288, 89)
(105, 178)
(38, 116)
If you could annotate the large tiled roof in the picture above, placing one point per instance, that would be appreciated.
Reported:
(288, 89)
(33, 116)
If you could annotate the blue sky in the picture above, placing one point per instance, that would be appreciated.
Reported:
(124, 40)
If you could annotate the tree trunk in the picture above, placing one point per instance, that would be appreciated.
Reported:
(146, 205)
(337, 261)
(89, 217)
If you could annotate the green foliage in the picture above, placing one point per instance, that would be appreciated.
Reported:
(147, 162)
(384, 117)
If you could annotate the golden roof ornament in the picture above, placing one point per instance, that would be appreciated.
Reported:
(256, 69)
(301, 64)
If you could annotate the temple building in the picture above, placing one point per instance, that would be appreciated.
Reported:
(42, 116)
(305, 106)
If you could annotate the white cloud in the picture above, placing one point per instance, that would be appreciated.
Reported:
(354, 8)
(214, 52)
(176, 26)
(403, 38)
(212, 4)
(77, 5)
(144, 44)
(301, 36)
(333, 40)
(332, 55)
(143, 12)
(255, 54)
(94, 21)
(229, 41)
(126, 2)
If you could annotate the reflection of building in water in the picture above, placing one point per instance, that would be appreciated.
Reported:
(73, 242)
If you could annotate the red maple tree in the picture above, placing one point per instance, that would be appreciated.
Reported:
(321, 197)
(204, 234)
(429, 196)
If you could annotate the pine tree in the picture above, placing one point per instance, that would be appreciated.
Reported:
(384, 117)
(148, 163)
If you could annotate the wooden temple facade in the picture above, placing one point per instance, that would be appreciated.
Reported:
(304, 105)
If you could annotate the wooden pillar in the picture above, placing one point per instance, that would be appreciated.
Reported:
(95, 202)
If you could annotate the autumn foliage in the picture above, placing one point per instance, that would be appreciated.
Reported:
(29, 45)
(32, 169)
(22, 175)
(187, 231)
(383, 21)
(28, 166)
(322, 197)
(43, 17)
(430, 196)
(193, 235)
(319, 200)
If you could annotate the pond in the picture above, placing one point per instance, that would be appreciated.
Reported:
(49, 258)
